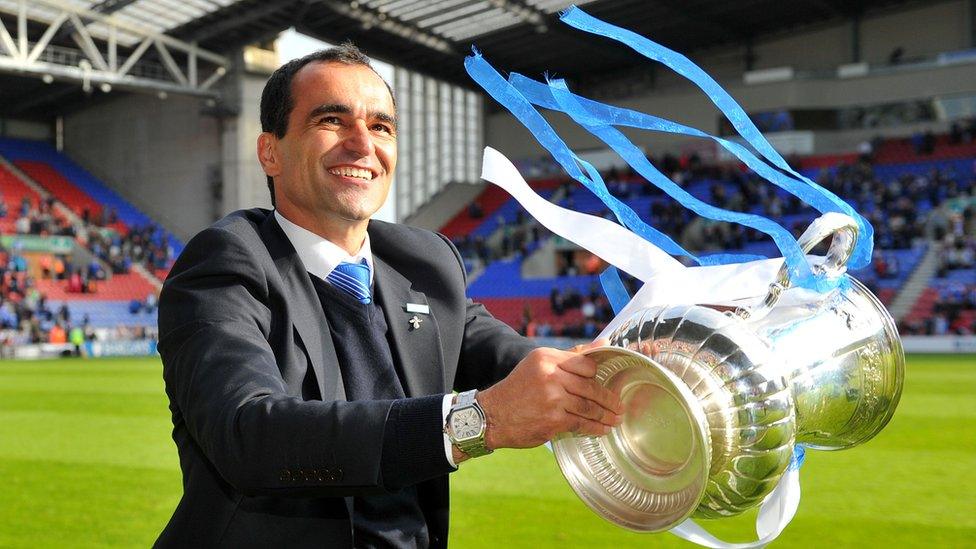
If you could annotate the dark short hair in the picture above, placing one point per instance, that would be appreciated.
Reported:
(277, 101)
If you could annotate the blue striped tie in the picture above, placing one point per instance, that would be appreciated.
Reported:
(352, 278)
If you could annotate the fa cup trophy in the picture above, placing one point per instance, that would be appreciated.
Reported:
(717, 399)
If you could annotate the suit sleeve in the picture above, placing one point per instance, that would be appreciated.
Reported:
(490, 348)
(226, 388)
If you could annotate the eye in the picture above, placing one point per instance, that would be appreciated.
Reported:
(330, 119)
(382, 128)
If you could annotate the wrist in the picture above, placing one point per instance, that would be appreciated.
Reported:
(458, 455)
(484, 398)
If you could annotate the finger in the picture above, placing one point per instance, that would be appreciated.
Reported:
(593, 391)
(602, 342)
(587, 409)
(587, 427)
(579, 365)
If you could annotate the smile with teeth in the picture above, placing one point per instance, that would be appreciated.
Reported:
(349, 171)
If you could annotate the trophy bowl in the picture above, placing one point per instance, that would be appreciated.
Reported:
(715, 400)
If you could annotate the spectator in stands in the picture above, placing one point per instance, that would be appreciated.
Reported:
(866, 151)
(57, 335)
(955, 133)
(64, 314)
(45, 264)
(76, 336)
(556, 301)
(57, 267)
(896, 56)
(22, 225)
(75, 284)
(94, 270)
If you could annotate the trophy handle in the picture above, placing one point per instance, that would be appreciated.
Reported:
(844, 230)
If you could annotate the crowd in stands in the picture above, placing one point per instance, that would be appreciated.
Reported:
(516, 238)
(138, 245)
(904, 210)
(39, 219)
(25, 314)
(27, 317)
(954, 310)
(118, 251)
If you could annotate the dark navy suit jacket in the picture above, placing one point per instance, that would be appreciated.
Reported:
(271, 452)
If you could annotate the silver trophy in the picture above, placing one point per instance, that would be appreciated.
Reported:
(715, 400)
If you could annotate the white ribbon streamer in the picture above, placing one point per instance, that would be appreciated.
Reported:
(666, 281)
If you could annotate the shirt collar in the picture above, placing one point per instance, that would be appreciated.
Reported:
(319, 255)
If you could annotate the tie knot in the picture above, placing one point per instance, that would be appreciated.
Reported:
(352, 278)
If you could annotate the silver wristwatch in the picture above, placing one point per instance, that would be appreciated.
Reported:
(466, 425)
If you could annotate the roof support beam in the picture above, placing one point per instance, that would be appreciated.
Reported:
(88, 65)
(7, 41)
(22, 28)
(46, 37)
(87, 45)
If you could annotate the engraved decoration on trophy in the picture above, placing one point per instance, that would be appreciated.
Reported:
(715, 401)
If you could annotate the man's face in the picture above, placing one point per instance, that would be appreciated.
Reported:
(335, 163)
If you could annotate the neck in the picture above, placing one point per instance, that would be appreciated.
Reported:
(348, 235)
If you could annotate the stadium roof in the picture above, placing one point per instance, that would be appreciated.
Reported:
(155, 15)
(433, 36)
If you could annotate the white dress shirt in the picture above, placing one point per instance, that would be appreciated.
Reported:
(320, 257)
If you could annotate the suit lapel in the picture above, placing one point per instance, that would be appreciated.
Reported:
(418, 350)
(306, 310)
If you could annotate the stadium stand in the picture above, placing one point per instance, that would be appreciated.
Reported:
(76, 187)
(905, 188)
(105, 282)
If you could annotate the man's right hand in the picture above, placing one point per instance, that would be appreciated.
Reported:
(549, 392)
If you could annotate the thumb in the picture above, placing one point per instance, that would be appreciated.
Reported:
(602, 342)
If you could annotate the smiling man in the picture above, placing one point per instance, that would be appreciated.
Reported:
(309, 352)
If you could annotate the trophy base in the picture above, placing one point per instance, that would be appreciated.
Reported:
(649, 473)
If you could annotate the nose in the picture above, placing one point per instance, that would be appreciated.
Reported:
(358, 139)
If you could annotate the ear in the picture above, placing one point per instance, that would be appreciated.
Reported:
(268, 154)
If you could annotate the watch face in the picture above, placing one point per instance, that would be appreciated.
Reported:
(466, 423)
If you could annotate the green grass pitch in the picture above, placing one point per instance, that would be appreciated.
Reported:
(86, 460)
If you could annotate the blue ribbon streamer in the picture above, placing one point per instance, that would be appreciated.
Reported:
(614, 288)
(635, 158)
(499, 88)
(799, 455)
(541, 95)
(579, 19)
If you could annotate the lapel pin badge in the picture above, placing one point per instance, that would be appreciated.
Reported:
(415, 322)
(418, 308)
